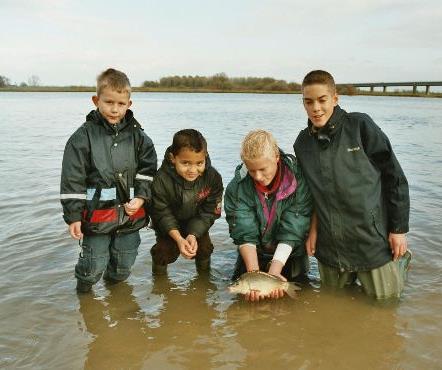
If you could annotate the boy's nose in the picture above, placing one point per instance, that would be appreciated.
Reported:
(316, 106)
(258, 176)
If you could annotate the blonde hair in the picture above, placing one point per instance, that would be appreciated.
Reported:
(257, 144)
(113, 79)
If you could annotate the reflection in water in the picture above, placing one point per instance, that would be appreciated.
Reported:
(120, 340)
(318, 331)
(181, 335)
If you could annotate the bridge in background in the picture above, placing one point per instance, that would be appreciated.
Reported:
(384, 85)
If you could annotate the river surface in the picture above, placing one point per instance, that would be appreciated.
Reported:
(186, 321)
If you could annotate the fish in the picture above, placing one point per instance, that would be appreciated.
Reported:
(262, 281)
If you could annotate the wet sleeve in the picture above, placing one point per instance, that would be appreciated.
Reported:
(73, 176)
(209, 209)
(241, 215)
(161, 212)
(295, 220)
(147, 167)
(394, 183)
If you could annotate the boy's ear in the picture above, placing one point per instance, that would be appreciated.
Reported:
(335, 99)
(129, 104)
(172, 158)
(95, 100)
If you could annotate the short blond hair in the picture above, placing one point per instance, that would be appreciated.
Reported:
(113, 79)
(257, 144)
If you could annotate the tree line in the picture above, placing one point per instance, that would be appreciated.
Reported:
(221, 81)
(32, 81)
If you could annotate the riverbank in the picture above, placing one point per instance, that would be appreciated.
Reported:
(202, 90)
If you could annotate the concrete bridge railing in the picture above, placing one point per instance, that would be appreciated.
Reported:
(384, 85)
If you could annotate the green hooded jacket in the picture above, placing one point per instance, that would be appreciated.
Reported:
(246, 217)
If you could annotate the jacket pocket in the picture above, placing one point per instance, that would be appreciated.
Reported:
(378, 225)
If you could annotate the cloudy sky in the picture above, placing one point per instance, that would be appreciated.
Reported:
(69, 42)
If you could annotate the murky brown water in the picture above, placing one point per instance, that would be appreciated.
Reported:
(186, 321)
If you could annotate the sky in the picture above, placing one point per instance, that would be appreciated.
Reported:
(70, 42)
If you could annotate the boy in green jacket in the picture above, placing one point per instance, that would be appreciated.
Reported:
(268, 208)
(360, 194)
(187, 193)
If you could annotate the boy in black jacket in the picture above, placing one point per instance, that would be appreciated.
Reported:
(360, 194)
(186, 197)
(108, 166)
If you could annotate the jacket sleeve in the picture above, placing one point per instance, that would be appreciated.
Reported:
(241, 215)
(294, 221)
(73, 176)
(147, 167)
(394, 183)
(210, 208)
(161, 213)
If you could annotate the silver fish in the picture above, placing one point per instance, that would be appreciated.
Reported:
(265, 283)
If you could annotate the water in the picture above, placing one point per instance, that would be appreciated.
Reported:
(190, 322)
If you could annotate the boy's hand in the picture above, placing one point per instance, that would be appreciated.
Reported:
(191, 239)
(133, 206)
(275, 270)
(75, 230)
(310, 243)
(398, 245)
(185, 248)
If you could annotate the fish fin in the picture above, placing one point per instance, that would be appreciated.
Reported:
(291, 290)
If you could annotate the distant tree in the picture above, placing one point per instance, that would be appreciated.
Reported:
(347, 90)
(23, 84)
(293, 86)
(150, 84)
(221, 81)
(4, 81)
(34, 80)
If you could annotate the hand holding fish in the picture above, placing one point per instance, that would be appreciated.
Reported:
(258, 285)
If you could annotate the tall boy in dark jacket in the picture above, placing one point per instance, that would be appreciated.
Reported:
(360, 194)
(108, 166)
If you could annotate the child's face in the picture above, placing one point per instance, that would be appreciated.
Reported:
(189, 164)
(319, 103)
(112, 104)
(263, 169)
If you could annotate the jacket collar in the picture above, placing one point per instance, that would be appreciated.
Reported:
(325, 133)
(96, 116)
